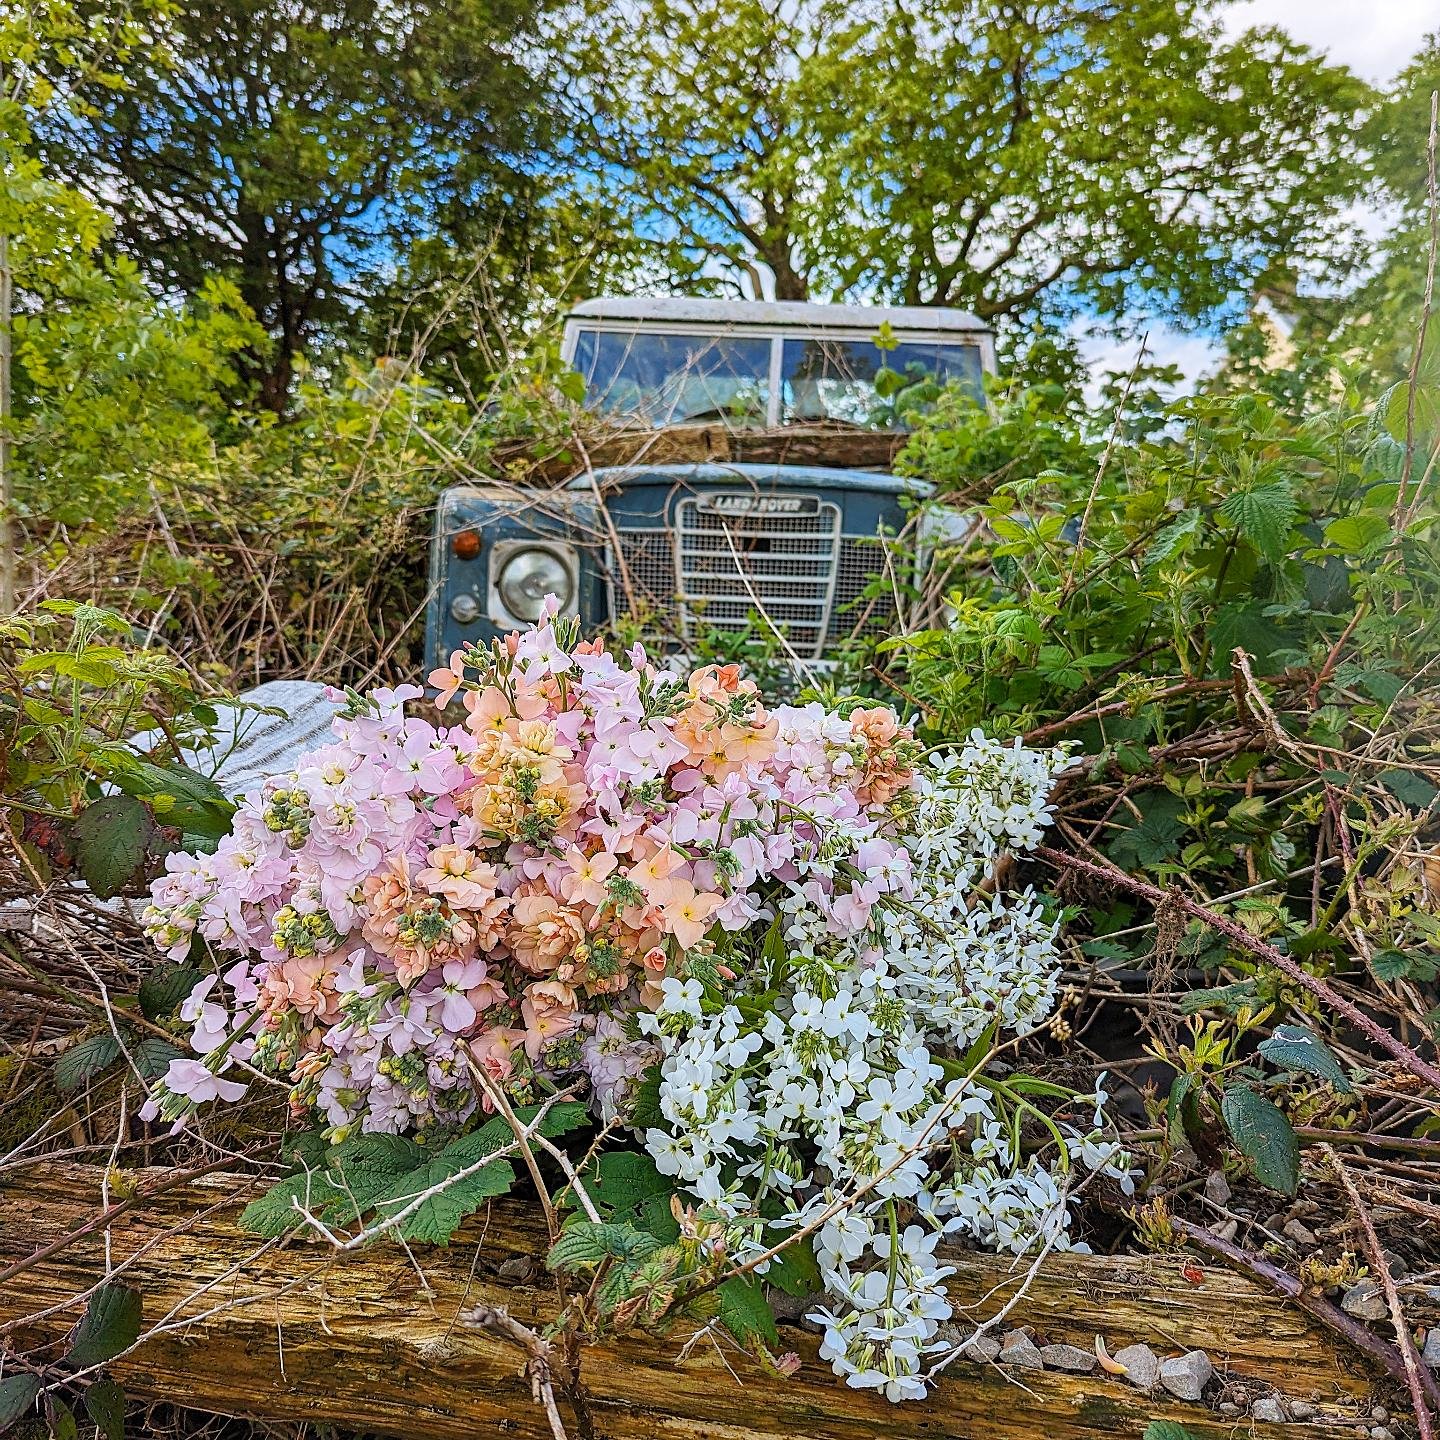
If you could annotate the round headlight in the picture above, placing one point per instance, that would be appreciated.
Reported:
(465, 608)
(528, 577)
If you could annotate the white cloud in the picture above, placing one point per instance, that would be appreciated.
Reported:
(1195, 355)
(1374, 39)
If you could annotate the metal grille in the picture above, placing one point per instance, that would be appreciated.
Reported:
(650, 556)
(732, 565)
(862, 558)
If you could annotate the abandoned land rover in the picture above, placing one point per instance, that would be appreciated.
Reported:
(754, 492)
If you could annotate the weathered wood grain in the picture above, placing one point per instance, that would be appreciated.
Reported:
(369, 1340)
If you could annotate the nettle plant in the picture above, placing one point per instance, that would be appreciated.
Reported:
(770, 945)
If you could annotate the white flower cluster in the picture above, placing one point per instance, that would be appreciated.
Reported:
(836, 1103)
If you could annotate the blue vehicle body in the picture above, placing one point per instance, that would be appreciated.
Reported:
(683, 548)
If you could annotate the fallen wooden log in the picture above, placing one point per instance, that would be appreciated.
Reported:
(370, 1340)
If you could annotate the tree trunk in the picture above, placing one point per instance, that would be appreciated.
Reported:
(369, 1340)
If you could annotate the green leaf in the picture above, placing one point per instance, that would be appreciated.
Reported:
(179, 796)
(110, 1325)
(1397, 965)
(110, 839)
(153, 1056)
(1355, 534)
(105, 1405)
(1230, 998)
(165, 988)
(794, 1270)
(440, 1215)
(1264, 517)
(1265, 1138)
(583, 1244)
(1294, 1048)
(17, 1398)
(1155, 838)
(1168, 1430)
(746, 1314)
(619, 1182)
(274, 1213)
(1408, 788)
(62, 1421)
(86, 1059)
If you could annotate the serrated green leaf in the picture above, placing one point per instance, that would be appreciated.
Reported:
(179, 796)
(110, 839)
(746, 1314)
(110, 1325)
(1408, 788)
(105, 1405)
(1293, 1047)
(1355, 534)
(274, 1213)
(1168, 1430)
(1231, 998)
(583, 1244)
(165, 988)
(153, 1055)
(17, 1398)
(794, 1270)
(1264, 517)
(440, 1215)
(1265, 1137)
(86, 1059)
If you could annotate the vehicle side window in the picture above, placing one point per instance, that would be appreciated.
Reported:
(663, 379)
(856, 381)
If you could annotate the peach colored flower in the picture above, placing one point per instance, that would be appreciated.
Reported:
(543, 931)
(687, 913)
(448, 679)
(585, 885)
(459, 876)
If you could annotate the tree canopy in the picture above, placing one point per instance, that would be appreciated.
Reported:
(1011, 158)
(299, 147)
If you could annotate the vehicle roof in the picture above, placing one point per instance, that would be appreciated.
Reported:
(783, 314)
(756, 475)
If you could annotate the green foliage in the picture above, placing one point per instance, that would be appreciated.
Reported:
(746, 1313)
(917, 155)
(83, 710)
(17, 1396)
(288, 147)
(1265, 1137)
(105, 1405)
(1297, 1049)
(110, 1325)
(368, 1180)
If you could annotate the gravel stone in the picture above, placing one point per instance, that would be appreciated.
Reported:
(1365, 1300)
(1070, 1358)
(1217, 1187)
(1142, 1366)
(1302, 1410)
(981, 1350)
(1228, 1407)
(1395, 1264)
(1018, 1349)
(1226, 1229)
(1431, 1353)
(1379, 1414)
(1271, 1408)
(1379, 1432)
(1300, 1233)
(1186, 1376)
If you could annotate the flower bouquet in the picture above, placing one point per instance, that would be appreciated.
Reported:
(766, 943)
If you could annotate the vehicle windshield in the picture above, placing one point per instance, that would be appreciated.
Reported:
(668, 378)
(863, 383)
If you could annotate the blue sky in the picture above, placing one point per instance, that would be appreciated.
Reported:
(1375, 38)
